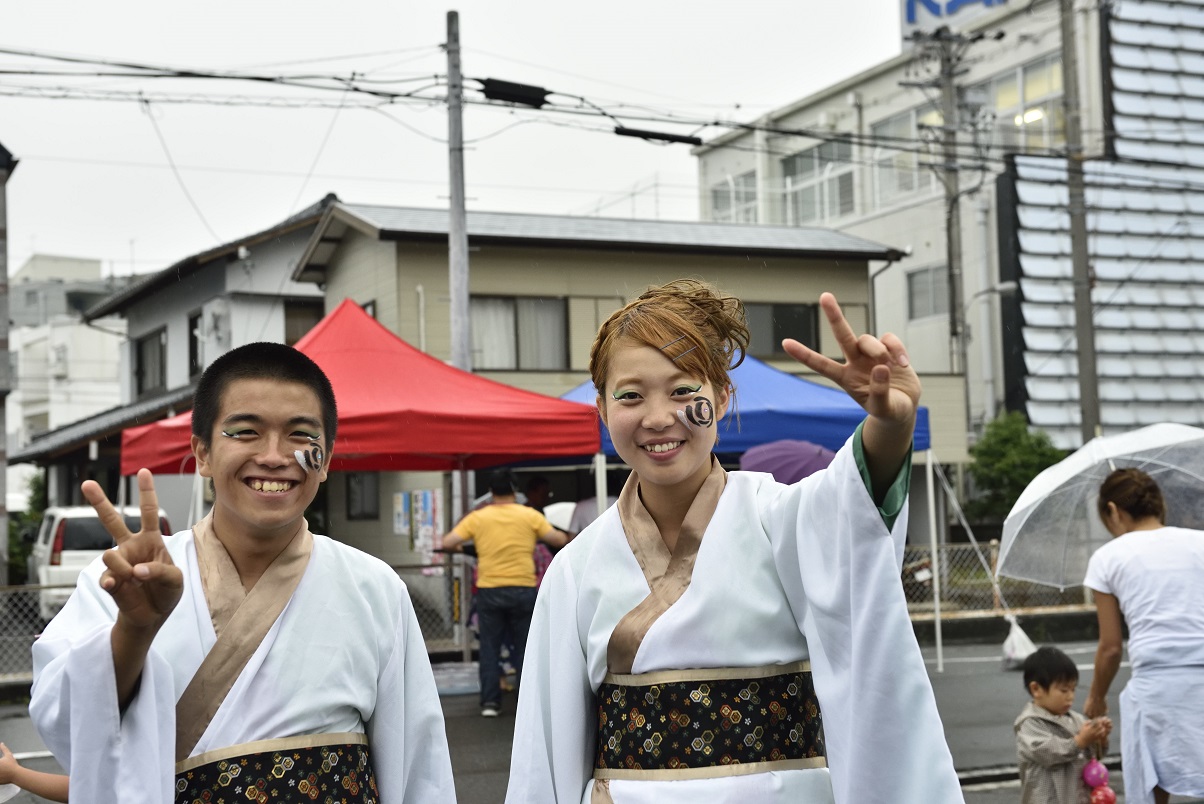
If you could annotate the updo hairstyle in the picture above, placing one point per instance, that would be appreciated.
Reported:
(1135, 493)
(702, 330)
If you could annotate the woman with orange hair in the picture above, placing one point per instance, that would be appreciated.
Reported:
(718, 636)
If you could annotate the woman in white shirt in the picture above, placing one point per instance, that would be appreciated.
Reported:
(1152, 576)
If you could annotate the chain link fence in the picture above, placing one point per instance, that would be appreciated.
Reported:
(966, 588)
(441, 592)
(20, 624)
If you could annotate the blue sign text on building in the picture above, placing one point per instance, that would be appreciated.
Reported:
(940, 10)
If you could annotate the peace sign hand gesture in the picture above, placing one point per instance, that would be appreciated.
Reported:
(141, 577)
(876, 373)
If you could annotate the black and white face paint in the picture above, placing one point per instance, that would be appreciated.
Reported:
(698, 412)
(310, 458)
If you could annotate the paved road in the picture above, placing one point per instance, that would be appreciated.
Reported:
(978, 701)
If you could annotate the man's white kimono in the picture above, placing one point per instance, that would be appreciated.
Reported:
(344, 657)
(781, 574)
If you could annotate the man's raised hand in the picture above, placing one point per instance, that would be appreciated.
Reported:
(141, 577)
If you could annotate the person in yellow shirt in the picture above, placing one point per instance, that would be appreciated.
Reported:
(504, 534)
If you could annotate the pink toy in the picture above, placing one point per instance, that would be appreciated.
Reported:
(1095, 774)
(1103, 795)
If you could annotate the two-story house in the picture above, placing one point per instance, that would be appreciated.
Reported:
(177, 321)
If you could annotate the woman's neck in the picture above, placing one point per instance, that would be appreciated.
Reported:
(1149, 523)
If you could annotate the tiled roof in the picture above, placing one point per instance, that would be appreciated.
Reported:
(102, 425)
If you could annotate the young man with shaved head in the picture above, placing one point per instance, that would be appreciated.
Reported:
(244, 658)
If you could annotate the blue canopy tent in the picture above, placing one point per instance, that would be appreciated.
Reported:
(772, 405)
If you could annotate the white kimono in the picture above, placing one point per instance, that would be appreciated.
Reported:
(782, 574)
(345, 656)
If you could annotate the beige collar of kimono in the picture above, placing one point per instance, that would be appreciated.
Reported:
(668, 574)
(241, 620)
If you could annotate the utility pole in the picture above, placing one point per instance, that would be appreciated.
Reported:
(949, 49)
(7, 166)
(950, 57)
(457, 228)
(1084, 323)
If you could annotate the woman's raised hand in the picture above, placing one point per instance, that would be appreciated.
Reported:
(876, 373)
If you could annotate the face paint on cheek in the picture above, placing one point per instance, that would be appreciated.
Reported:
(684, 419)
(310, 459)
(699, 412)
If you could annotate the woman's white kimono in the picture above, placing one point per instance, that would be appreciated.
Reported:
(345, 656)
(782, 574)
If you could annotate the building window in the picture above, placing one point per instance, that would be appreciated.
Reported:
(819, 183)
(897, 154)
(195, 336)
(928, 292)
(525, 333)
(768, 324)
(363, 495)
(734, 200)
(1027, 106)
(300, 317)
(150, 363)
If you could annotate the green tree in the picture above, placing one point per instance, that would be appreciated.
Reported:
(22, 527)
(1006, 459)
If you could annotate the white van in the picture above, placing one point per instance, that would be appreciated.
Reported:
(69, 539)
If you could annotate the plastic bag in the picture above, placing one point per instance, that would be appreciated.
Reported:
(1017, 646)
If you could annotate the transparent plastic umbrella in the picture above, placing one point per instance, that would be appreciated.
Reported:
(1054, 527)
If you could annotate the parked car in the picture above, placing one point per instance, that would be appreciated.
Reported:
(71, 538)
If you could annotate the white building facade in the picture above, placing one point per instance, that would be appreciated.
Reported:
(865, 156)
(64, 369)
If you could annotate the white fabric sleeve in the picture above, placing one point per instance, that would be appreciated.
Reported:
(110, 755)
(407, 740)
(554, 729)
(1098, 572)
(839, 566)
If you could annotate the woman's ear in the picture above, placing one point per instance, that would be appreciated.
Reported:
(723, 398)
(601, 408)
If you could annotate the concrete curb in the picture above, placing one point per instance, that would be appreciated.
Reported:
(1011, 773)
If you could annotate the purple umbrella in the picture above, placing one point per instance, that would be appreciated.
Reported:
(788, 460)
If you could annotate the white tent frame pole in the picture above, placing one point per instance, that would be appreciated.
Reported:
(930, 489)
(600, 481)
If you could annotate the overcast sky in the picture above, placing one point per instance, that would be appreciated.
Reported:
(96, 177)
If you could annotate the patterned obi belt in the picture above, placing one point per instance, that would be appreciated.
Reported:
(327, 768)
(700, 724)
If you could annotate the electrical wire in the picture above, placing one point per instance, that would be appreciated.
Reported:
(176, 172)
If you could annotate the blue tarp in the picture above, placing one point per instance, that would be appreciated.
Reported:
(772, 405)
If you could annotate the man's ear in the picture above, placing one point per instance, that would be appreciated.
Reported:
(201, 452)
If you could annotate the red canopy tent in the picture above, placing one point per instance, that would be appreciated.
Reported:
(401, 410)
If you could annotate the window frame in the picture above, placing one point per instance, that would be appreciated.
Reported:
(141, 389)
(362, 496)
(831, 176)
(516, 334)
(740, 191)
(938, 292)
(810, 339)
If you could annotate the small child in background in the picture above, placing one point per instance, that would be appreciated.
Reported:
(47, 785)
(1052, 741)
